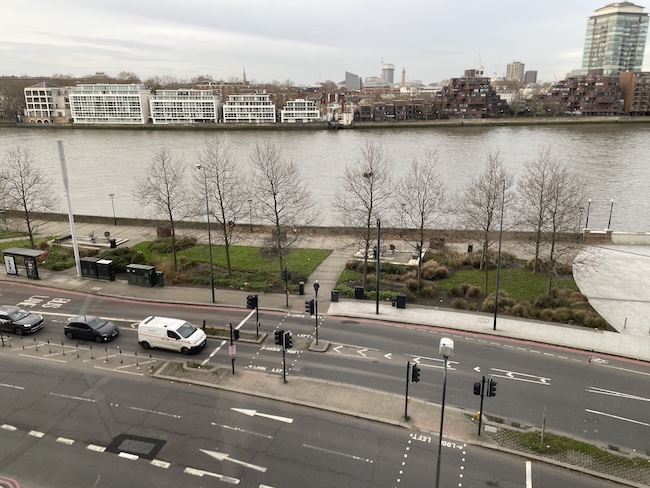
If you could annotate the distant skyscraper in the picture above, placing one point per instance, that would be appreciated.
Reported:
(388, 73)
(530, 77)
(615, 39)
(515, 71)
(352, 81)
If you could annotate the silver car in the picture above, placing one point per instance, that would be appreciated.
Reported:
(19, 321)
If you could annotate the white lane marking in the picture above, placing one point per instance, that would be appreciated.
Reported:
(617, 417)
(329, 451)
(117, 370)
(65, 440)
(624, 369)
(145, 410)
(253, 413)
(200, 473)
(160, 464)
(389, 355)
(12, 386)
(222, 456)
(71, 397)
(44, 359)
(243, 431)
(477, 369)
(128, 455)
(514, 375)
(217, 349)
(602, 391)
(35, 433)
(93, 447)
(529, 475)
(8, 427)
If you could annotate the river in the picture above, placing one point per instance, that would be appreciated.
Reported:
(613, 158)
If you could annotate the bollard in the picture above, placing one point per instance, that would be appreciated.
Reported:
(150, 365)
(136, 359)
(106, 353)
(77, 346)
(22, 342)
(35, 345)
(62, 348)
(48, 347)
(91, 353)
(2, 337)
(120, 350)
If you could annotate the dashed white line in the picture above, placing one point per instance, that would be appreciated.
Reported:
(8, 427)
(617, 417)
(128, 455)
(35, 433)
(96, 448)
(160, 464)
(145, 410)
(12, 386)
(71, 397)
(65, 440)
(529, 475)
(352, 456)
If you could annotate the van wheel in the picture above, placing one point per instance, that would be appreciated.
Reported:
(185, 350)
(145, 345)
(68, 335)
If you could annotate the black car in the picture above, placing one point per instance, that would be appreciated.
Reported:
(91, 328)
(19, 321)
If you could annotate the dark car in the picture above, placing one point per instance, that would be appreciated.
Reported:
(19, 321)
(91, 328)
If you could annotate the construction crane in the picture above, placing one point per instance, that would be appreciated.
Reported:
(480, 63)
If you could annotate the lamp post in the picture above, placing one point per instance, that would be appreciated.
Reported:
(446, 350)
(402, 219)
(611, 207)
(588, 208)
(316, 287)
(579, 222)
(112, 195)
(496, 293)
(378, 267)
(250, 213)
(207, 213)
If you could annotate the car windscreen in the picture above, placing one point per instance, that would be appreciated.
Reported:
(96, 323)
(186, 330)
(18, 314)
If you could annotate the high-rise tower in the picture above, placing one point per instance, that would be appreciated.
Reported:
(615, 39)
(388, 73)
(515, 71)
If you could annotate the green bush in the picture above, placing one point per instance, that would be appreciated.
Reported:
(164, 245)
(473, 291)
(122, 257)
(460, 304)
(457, 291)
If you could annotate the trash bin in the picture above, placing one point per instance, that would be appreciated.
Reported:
(335, 296)
(301, 288)
(88, 267)
(105, 270)
(470, 248)
(160, 278)
(141, 275)
(400, 301)
(358, 292)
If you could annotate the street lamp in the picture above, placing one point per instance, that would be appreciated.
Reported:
(207, 213)
(496, 294)
(250, 213)
(378, 266)
(578, 232)
(446, 350)
(611, 207)
(112, 195)
(588, 208)
(402, 219)
(316, 287)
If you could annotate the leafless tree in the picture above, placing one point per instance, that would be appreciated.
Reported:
(164, 190)
(280, 196)
(420, 194)
(225, 190)
(365, 194)
(25, 188)
(479, 205)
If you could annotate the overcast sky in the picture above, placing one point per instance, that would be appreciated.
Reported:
(304, 41)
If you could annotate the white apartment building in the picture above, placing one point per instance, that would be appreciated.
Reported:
(109, 103)
(184, 107)
(249, 107)
(299, 111)
(46, 103)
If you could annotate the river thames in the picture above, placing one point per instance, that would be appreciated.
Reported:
(613, 159)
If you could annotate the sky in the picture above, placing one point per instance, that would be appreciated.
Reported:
(304, 41)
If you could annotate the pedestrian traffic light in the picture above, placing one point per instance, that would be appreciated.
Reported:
(278, 336)
(477, 388)
(288, 340)
(492, 388)
(251, 301)
(309, 307)
(415, 374)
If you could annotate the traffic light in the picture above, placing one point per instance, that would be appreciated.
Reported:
(415, 374)
(251, 301)
(278, 336)
(288, 340)
(235, 334)
(309, 307)
(492, 388)
(477, 388)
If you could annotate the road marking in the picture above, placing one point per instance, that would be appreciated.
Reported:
(12, 386)
(217, 349)
(513, 375)
(65, 440)
(243, 431)
(160, 464)
(35, 433)
(602, 391)
(71, 397)
(117, 370)
(477, 369)
(8, 427)
(388, 356)
(93, 447)
(617, 417)
(253, 413)
(222, 456)
(329, 451)
(44, 359)
(200, 473)
(155, 412)
(625, 369)
(529, 475)
(128, 455)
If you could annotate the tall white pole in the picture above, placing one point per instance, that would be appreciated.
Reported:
(73, 233)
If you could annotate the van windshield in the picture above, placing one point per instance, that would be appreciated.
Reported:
(186, 330)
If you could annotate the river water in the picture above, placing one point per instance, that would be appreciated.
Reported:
(613, 158)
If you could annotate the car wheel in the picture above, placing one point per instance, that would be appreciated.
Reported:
(99, 339)
(69, 335)
(18, 331)
(145, 345)
(185, 350)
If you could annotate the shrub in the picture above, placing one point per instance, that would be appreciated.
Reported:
(456, 291)
(460, 304)
(428, 291)
(521, 310)
(412, 284)
(473, 291)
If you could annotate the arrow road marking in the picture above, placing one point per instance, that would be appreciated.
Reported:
(528, 378)
(362, 352)
(388, 356)
(253, 413)
(477, 369)
(222, 456)
(602, 391)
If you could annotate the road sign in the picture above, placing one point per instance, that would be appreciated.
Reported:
(232, 350)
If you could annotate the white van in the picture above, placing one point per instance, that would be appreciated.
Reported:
(168, 333)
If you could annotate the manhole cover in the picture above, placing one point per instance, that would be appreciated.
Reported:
(144, 447)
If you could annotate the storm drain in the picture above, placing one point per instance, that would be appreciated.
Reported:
(144, 447)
